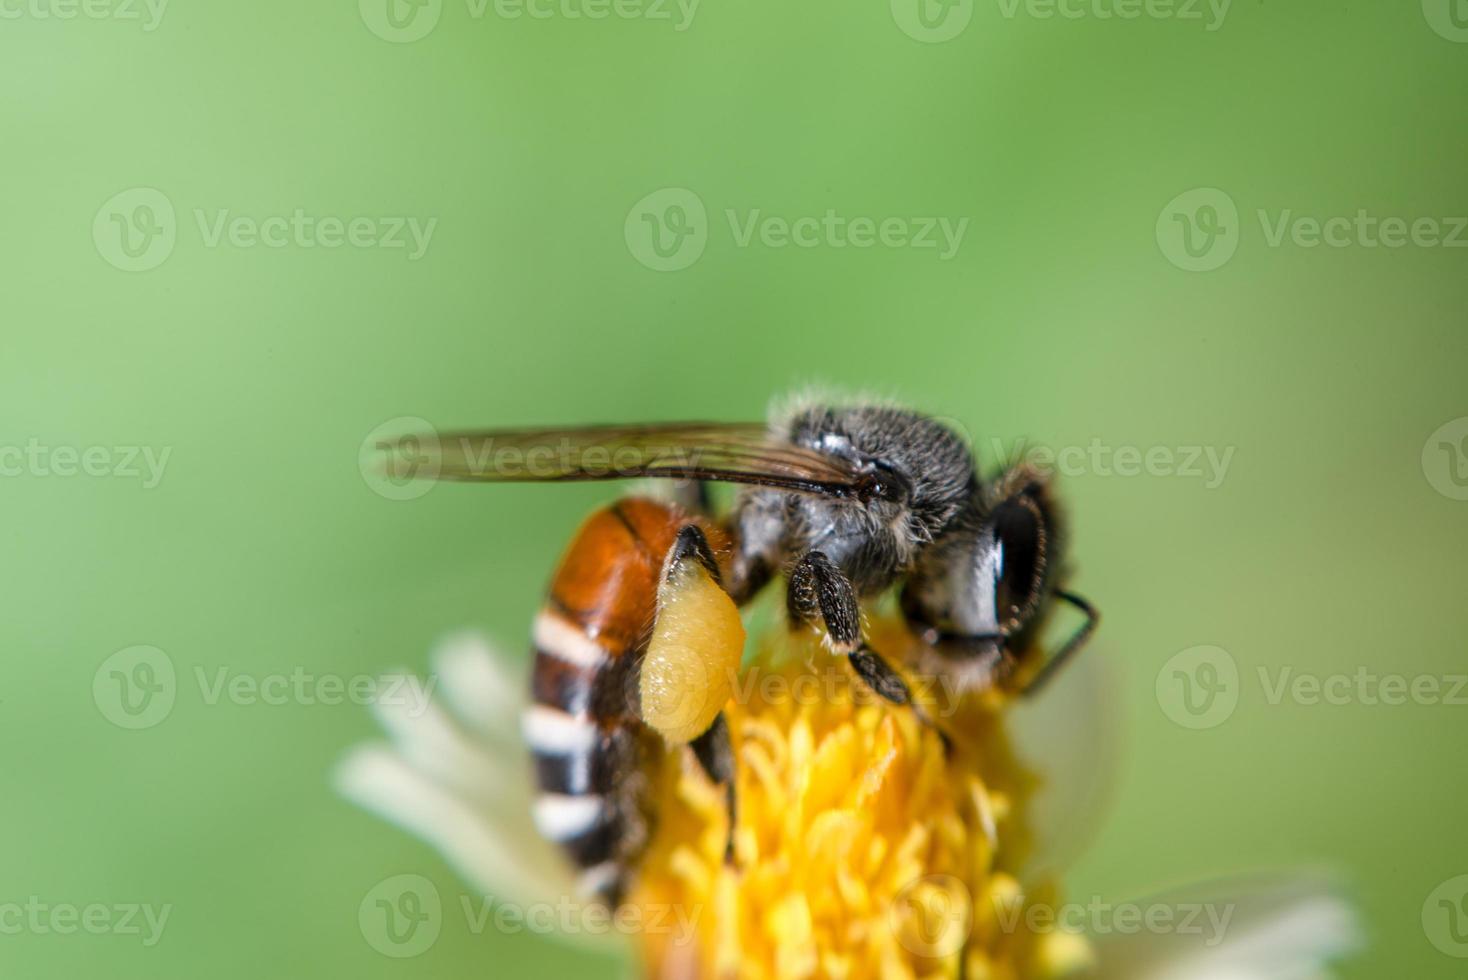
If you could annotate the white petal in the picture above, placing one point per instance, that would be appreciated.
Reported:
(457, 775)
(481, 686)
(493, 771)
(1273, 929)
(490, 856)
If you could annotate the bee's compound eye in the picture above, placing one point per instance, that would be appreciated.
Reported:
(884, 482)
(1019, 532)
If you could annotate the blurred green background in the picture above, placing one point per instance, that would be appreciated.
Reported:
(1072, 312)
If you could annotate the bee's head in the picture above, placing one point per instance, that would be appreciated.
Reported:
(916, 473)
(983, 584)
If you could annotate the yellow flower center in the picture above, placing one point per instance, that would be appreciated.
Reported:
(862, 847)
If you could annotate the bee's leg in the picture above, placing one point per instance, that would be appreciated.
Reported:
(715, 753)
(757, 527)
(687, 671)
(1069, 648)
(818, 590)
(689, 561)
(691, 495)
(690, 546)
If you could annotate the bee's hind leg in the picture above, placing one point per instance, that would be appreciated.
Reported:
(715, 753)
(694, 653)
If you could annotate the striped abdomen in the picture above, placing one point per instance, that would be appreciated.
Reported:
(593, 757)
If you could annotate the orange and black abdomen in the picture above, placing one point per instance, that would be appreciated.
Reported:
(591, 752)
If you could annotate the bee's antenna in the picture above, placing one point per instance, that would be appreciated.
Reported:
(1069, 647)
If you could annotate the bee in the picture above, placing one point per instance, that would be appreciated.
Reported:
(844, 501)
(612, 650)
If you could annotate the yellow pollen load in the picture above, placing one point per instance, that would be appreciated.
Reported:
(693, 657)
(862, 850)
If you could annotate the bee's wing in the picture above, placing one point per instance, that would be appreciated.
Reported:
(1070, 733)
(718, 451)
